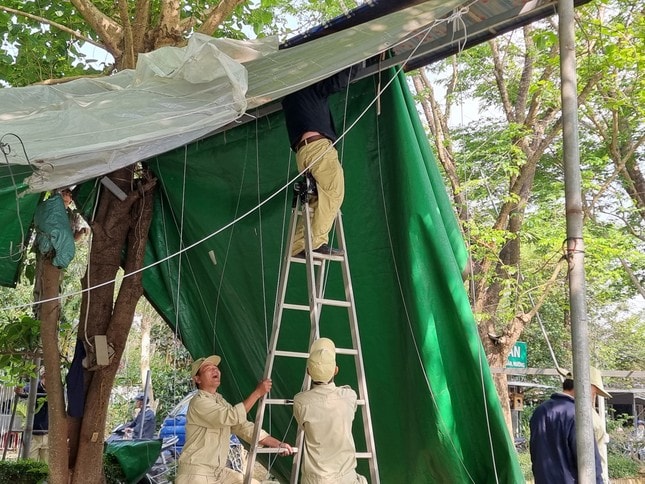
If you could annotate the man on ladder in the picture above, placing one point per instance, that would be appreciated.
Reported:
(325, 414)
(312, 136)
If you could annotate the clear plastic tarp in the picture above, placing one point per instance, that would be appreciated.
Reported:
(89, 127)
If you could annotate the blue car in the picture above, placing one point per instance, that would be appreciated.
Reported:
(175, 425)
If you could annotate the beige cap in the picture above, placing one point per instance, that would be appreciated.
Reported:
(322, 360)
(197, 364)
(595, 378)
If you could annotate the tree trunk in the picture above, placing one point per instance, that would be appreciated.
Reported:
(49, 316)
(119, 236)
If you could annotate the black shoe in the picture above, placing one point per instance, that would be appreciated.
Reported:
(299, 255)
(326, 249)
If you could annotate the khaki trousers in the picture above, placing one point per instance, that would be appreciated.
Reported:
(222, 476)
(321, 158)
(39, 448)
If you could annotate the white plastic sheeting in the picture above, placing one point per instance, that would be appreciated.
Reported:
(90, 127)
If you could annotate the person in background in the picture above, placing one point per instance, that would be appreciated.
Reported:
(210, 420)
(637, 441)
(553, 440)
(639, 433)
(599, 428)
(325, 413)
(39, 449)
(143, 425)
(76, 221)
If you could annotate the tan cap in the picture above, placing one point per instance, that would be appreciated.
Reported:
(595, 378)
(322, 360)
(197, 364)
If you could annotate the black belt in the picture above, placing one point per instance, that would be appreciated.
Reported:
(311, 139)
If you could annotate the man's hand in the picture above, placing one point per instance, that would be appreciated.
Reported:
(285, 449)
(264, 387)
(19, 390)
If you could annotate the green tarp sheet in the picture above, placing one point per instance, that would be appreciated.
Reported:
(436, 415)
(134, 456)
(16, 215)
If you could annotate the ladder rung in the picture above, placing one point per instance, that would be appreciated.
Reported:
(346, 351)
(297, 307)
(333, 302)
(273, 450)
(292, 354)
(301, 260)
(280, 401)
(360, 402)
(299, 354)
(318, 255)
(363, 455)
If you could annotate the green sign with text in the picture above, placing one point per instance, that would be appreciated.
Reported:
(517, 358)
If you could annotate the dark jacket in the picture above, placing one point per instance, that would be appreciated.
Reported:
(308, 109)
(145, 418)
(553, 442)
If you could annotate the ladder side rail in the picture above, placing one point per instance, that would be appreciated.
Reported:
(300, 445)
(360, 367)
(314, 310)
(314, 317)
(275, 332)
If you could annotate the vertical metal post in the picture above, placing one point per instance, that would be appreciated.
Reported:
(31, 409)
(575, 244)
(144, 406)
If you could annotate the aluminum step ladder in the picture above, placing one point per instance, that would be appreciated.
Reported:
(316, 265)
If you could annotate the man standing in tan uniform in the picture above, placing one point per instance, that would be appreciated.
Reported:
(325, 413)
(209, 423)
(599, 431)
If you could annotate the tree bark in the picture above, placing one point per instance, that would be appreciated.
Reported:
(49, 316)
(118, 224)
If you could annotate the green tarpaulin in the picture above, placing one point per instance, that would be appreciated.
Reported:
(134, 456)
(16, 215)
(436, 414)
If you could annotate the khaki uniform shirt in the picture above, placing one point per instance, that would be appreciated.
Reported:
(210, 421)
(601, 437)
(326, 413)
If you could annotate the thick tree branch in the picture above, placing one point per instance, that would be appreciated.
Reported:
(498, 71)
(439, 125)
(632, 276)
(107, 29)
(60, 27)
(527, 74)
(129, 58)
(216, 15)
(141, 25)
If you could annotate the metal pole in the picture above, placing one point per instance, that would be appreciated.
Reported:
(31, 410)
(14, 406)
(144, 406)
(575, 245)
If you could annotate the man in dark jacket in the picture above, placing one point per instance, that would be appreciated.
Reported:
(312, 136)
(553, 440)
(143, 425)
(39, 448)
